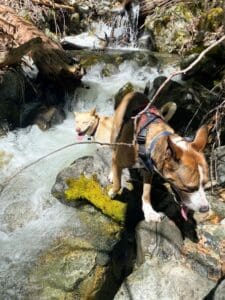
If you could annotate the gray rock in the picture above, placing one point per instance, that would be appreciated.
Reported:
(11, 96)
(164, 272)
(220, 291)
(49, 116)
(163, 281)
(163, 239)
(219, 158)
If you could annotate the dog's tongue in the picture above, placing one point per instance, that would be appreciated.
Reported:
(184, 212)
(79, 138)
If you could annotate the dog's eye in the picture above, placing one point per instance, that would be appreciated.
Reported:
(190, 190)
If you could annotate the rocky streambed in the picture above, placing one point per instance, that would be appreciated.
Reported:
(173, 259)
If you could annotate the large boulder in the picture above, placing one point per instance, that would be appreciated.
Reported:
(170, 32)
(90, 262)
(163, 271)
(174, 259)
(12, 87)
(81, 264)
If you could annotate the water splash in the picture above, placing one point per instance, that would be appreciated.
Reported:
(119, 32)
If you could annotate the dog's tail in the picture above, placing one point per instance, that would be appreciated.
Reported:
(128, 107)
(168, 110)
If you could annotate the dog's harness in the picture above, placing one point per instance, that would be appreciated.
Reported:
(151, 116)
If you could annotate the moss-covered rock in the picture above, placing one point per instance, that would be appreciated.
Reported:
(212, 19)
(76, 265)
(89, 189)
(4, 158)
(100, 233)
(169, 27)
(87, 180)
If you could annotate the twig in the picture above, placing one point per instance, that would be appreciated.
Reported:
(197, 60)
(194, 63)
(6, 182)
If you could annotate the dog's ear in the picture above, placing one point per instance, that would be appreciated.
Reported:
(176, 151)
(201, 138)
(93, 111)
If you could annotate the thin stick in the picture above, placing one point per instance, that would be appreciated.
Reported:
(195, 62)
(6, 182)
(201, 55)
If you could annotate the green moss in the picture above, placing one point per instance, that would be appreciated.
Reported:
(4, 158)
(89, 189)
(213, 19)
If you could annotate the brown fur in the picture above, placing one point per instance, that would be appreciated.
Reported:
(179, 162)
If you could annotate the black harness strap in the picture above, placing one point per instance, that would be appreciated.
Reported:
(143, 153)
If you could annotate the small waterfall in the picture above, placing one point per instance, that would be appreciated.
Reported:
(120, 32)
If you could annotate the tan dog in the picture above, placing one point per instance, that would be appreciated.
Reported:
(179, 162)
(91, 124)
(100, 127)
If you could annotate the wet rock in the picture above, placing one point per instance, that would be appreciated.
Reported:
(74, 24)
(208, 70)
(4, 127)
(87, 179)
(109, 70)
(48, 117)
(127, 88)
(164, 273)
(220, 291)
(17, 214)
(4, 158)
(170, 33)
(72, 266)
(12, 87)
(146, 41)
(89, 261)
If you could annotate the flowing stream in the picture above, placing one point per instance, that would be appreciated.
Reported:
(30, 218)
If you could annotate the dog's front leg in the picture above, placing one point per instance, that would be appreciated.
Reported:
(149, 213)
(116, 173)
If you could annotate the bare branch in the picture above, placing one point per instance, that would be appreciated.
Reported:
(6, 182)
(194, 63)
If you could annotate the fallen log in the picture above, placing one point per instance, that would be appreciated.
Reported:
(50, 58)
(14, 55)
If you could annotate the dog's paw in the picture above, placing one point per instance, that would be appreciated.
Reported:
(110, 177)
(112, 194)
(150, 214)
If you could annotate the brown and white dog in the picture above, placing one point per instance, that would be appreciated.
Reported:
(178, 161)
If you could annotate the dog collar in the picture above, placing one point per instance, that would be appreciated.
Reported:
(95, 128)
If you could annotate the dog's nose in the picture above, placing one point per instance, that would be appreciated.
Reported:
(204, 209)
(78, 130)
